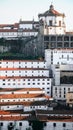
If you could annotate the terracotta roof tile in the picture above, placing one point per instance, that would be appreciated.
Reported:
(13, 96)
(23, 77)
(23, 69)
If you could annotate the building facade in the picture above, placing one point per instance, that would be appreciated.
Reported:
(25, 74)
(52, 22)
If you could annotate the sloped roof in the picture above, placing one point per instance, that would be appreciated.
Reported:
(51, 12)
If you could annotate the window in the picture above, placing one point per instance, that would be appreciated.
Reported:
(20, 123)
(18, 83)
(38, 83)
(54, 124)
(60, 23)
(62, 56)
(23, 83)
(64, 96)
(50, 22)
(13, 83)
(1, 124)
(28, 92)
(11, 123)
(8, 83)
(3, 83)
(68, 89)
(64, 125)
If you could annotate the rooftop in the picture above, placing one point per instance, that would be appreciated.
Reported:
(51, 12)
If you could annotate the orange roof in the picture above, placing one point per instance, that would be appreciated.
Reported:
(19, 89)
(8, 30)
(23, 69)
(11, 96)
(23, 77)
(22, 60)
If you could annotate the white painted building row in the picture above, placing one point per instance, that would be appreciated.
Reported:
(27, 99)
(59, 56)
(26, 82)
(22, 64)
(25, 74)
(27, 125)
(14, 33)
(21, 29)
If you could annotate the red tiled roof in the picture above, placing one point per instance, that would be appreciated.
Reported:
(23, 77)
(6, 25)
(51, 12)
(22, 60)
(19, 89)
(23, 69)
(13, 96)
(8, 30)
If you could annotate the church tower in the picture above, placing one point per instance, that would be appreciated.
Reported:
(52, 22)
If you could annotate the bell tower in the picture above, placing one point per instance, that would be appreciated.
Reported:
(53, 22)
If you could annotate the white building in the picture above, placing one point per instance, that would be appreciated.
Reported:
(59, 56)
(25, 74)
(52, 22)
(62, 81)
(27, 125)
(25, 99)
(59, 92)
(15, 33)
(21, 29)
(29, 24)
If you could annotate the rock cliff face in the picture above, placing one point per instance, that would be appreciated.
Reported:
(22, 48)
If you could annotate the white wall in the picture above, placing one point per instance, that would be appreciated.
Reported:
(59, 92)
(25, 124)
(62, 56)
